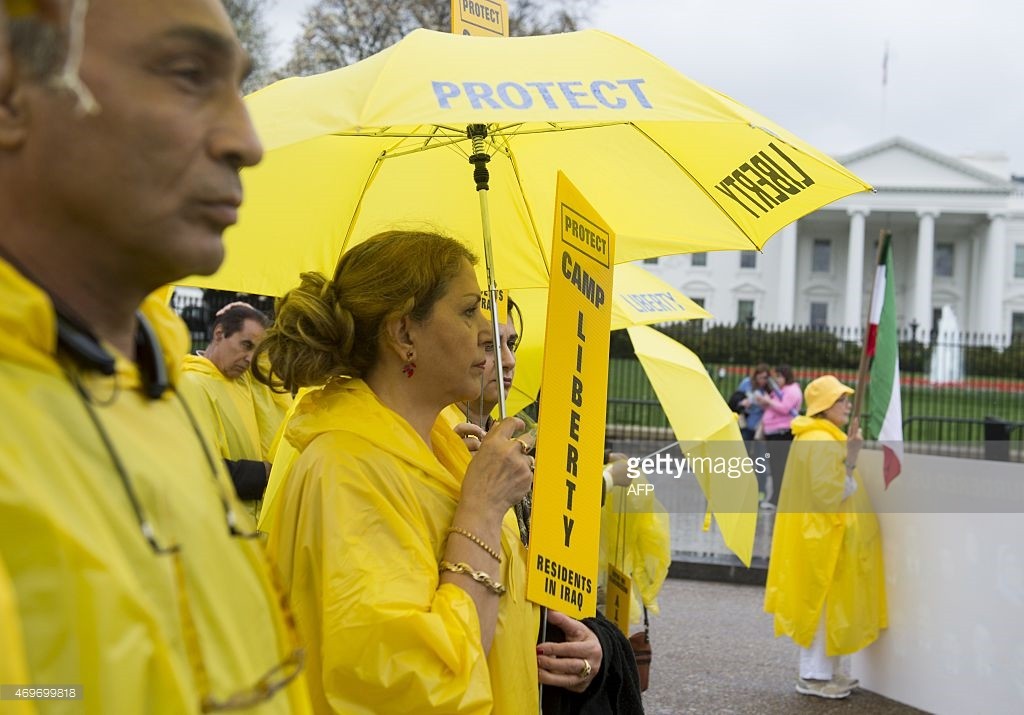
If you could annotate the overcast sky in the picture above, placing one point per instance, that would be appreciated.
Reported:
(955, 81)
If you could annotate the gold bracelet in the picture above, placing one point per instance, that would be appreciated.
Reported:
(476, 540)
(478, 576)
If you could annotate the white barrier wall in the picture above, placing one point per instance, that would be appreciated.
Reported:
(955, 583)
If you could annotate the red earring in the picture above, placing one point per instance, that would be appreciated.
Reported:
(409, 367)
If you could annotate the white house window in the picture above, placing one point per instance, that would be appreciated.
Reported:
(748, 259)
(821, 256)
(1018, 261)
(652, 261)
(819, 315)
(944, 260)
(744, 311)
(1017, 325)
(699, 259)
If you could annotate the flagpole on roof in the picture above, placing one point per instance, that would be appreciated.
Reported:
(885, 89)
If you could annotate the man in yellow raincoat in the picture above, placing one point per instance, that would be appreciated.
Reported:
(131, 569)
(826, 581)
(242, 414)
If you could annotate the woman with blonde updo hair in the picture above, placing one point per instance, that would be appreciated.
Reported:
(401, 556)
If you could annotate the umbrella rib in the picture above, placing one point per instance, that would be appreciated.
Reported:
(377, 164)
(554, 127)
(529, 209)
(696, 183)
(458, 134)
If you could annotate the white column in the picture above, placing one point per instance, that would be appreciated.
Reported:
(976, 310)
(787, 274)
(993, 275)
(925, 268)
(855, 268)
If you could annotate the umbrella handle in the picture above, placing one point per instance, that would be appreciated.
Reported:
(478, 134)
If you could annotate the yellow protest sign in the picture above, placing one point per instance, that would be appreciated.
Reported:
(566, 521)
(616, 601)
(482, 18)
(501, 300)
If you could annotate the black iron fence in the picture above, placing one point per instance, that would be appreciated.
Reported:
(963, 389)
(197, 307)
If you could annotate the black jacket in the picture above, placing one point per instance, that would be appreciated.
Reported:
(615, 690)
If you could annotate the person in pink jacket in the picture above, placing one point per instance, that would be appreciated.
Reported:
(780, 404)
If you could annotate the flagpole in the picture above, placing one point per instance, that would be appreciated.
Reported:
(885, 89)
(884, 236)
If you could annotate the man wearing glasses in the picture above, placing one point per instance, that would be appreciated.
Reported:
(139, 583)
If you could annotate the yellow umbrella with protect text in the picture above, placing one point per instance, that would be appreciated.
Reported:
(674, 166)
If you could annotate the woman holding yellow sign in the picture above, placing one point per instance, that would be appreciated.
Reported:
(401, 557)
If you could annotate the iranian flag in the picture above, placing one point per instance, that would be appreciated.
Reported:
(885, 411)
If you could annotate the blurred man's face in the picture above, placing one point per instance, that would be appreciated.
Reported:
(233, 354)
(152, 178)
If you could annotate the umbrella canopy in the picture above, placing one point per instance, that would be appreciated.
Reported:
(700, 418)
(638, 298)
(672, 165)
(707, 430)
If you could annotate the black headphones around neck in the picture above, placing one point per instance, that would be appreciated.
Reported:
(77, 342)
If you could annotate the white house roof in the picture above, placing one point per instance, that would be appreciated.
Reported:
(898, 164)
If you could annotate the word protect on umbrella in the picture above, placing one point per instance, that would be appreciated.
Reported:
(572, 94)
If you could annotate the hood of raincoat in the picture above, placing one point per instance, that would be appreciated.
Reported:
(202, 365)
(29, 323)
(808, 425)
(364, 415)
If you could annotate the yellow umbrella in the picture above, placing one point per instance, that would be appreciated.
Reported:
(699, 415)
(673, 165)
(708, 434)
(638, 298)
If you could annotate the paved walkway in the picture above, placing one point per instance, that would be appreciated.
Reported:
(714, 653)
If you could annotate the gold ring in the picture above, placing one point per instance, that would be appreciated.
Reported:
(585, 670)
(525, 447)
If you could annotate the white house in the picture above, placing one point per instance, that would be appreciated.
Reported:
(958, 240)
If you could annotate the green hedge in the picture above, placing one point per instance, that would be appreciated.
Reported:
(809, 348)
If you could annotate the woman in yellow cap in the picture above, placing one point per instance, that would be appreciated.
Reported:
(826, 582)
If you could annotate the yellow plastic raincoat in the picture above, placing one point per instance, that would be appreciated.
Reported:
(826, 550)
(244, 413)
(97, 606)
(635, 537)
(12, 650)
(359, 530)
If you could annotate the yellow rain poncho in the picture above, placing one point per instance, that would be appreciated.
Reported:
(97, 606)
(244, 413)
(635, 537)
(358, 531)
(826, 551)
(12, 650)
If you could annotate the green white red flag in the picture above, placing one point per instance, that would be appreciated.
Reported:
(885, 409)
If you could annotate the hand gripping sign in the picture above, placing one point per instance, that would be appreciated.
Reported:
(566, 522)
